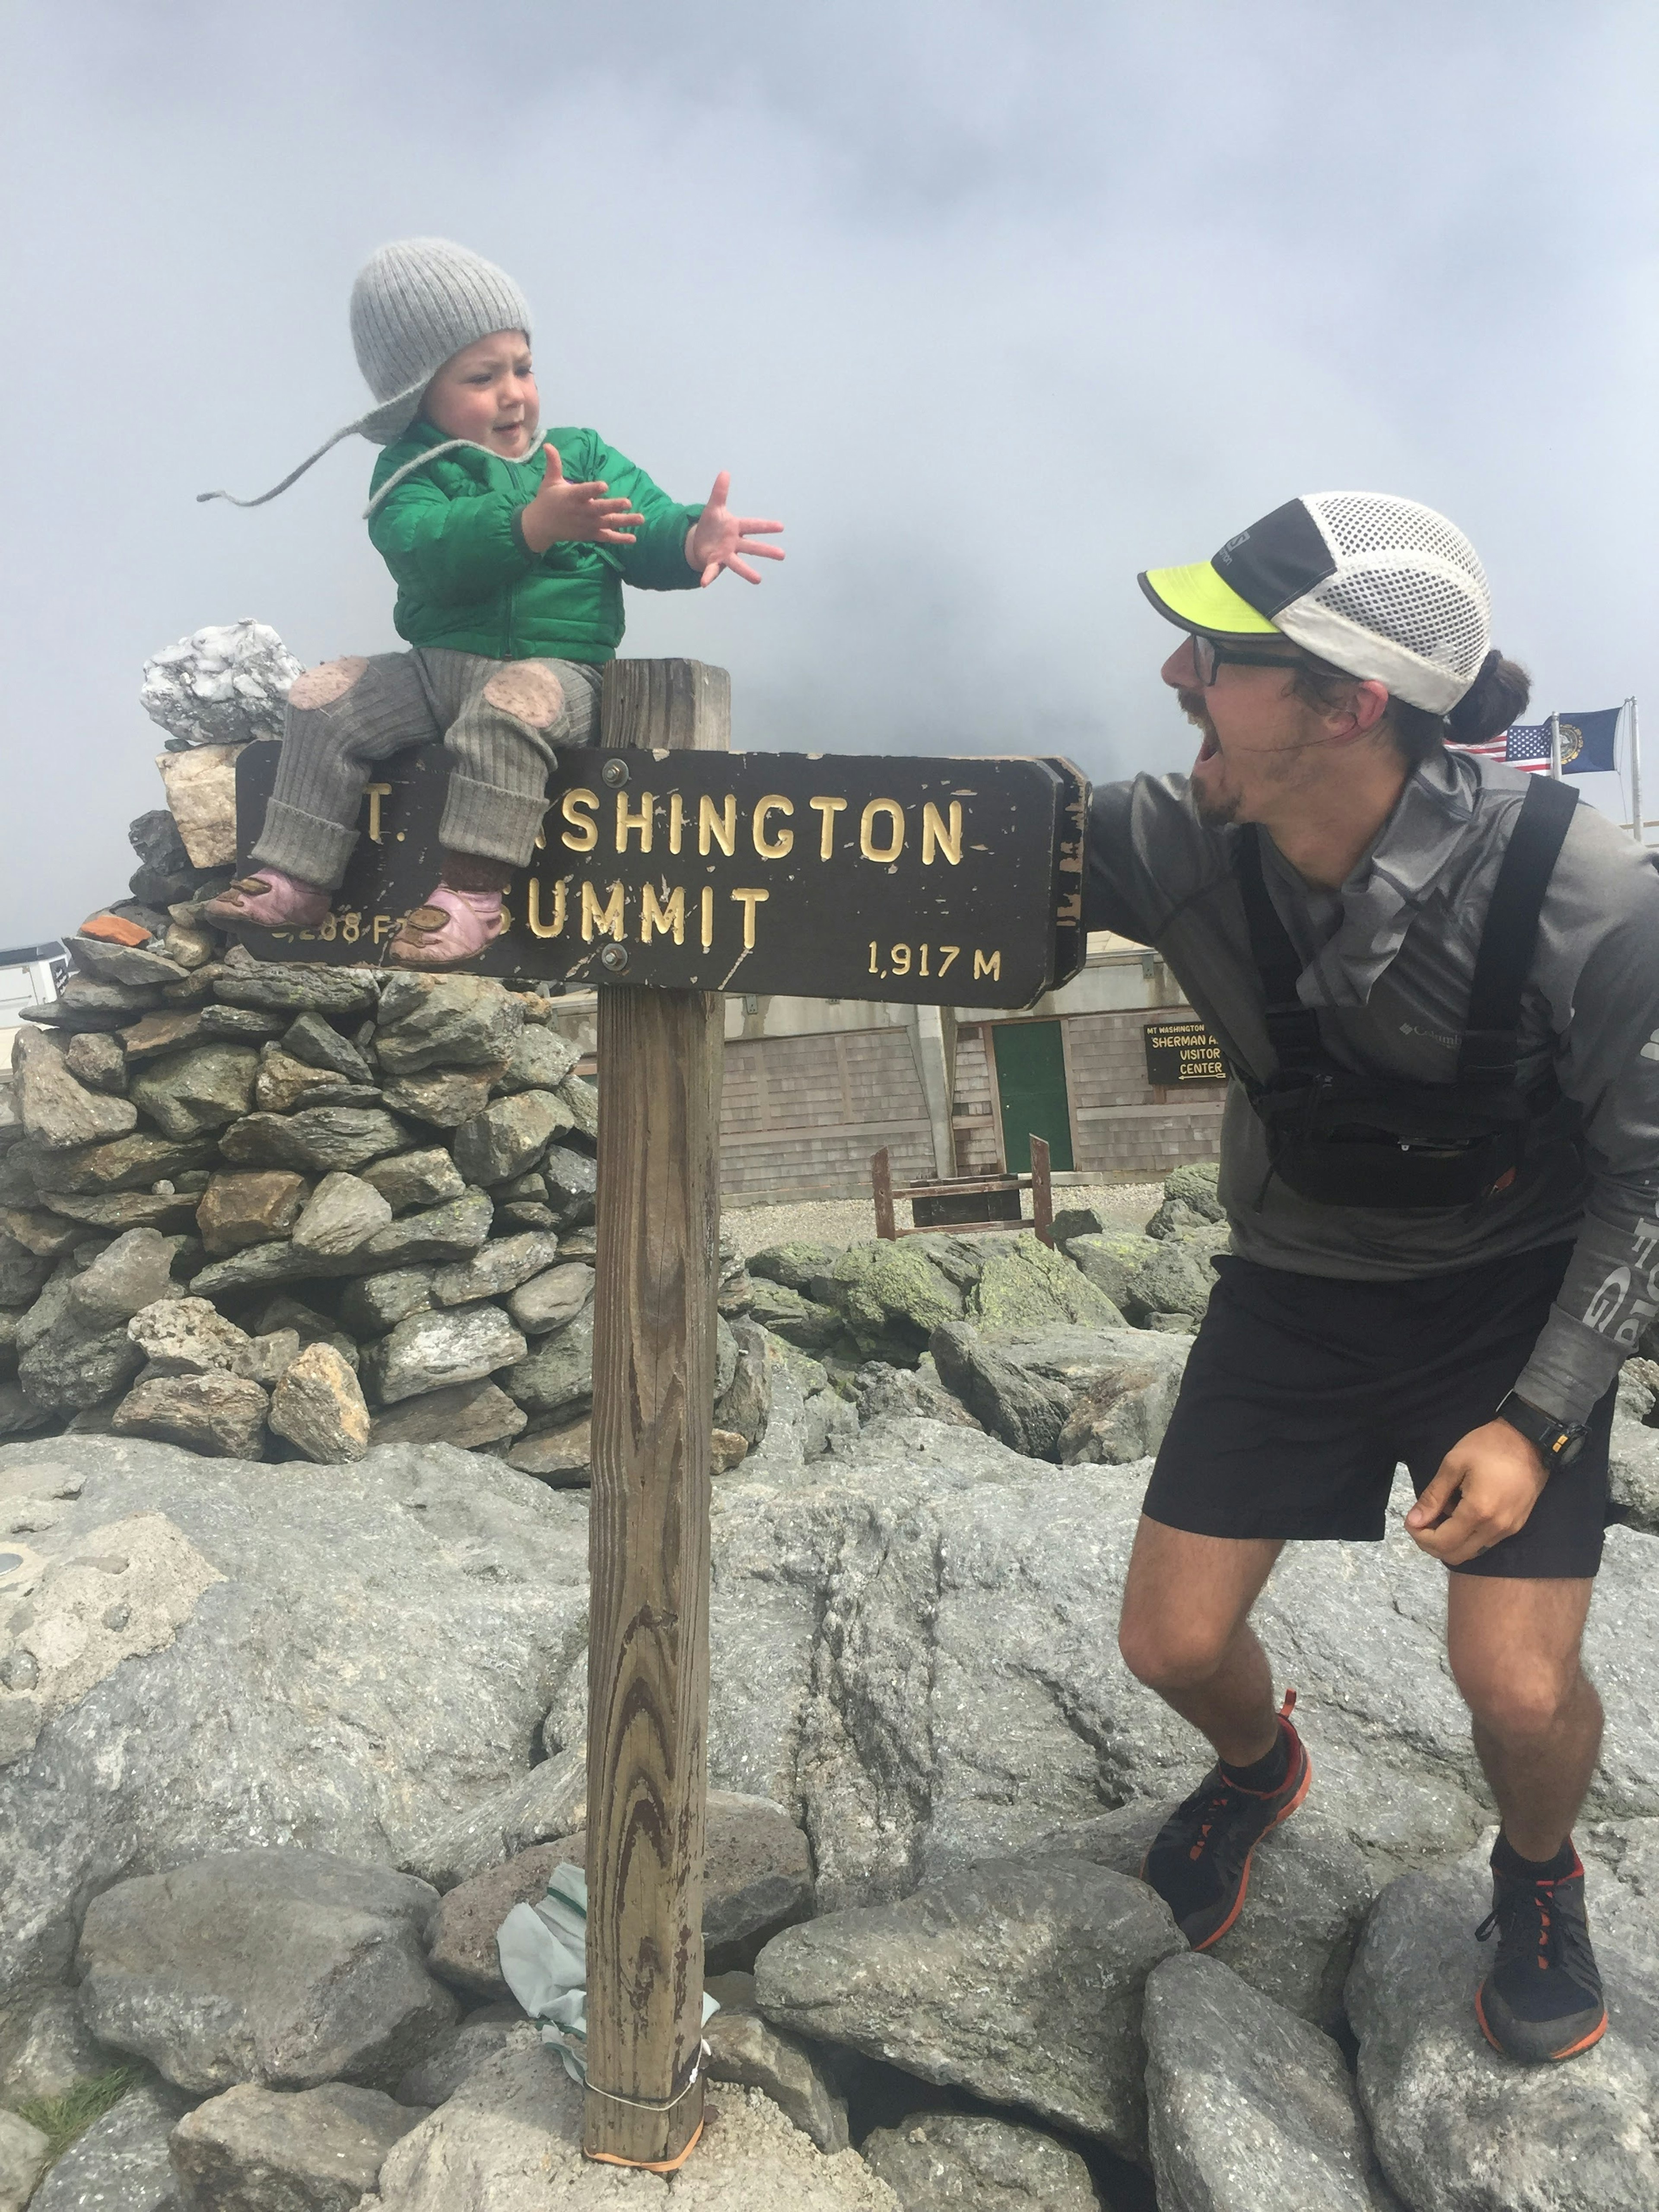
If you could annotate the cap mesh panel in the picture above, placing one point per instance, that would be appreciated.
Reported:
(1431, 615)
(1368, 522)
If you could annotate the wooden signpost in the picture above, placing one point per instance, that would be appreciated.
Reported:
(672, 870)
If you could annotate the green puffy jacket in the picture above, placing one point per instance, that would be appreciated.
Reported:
(450, 535)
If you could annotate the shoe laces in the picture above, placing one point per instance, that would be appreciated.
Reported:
(1533, 1929)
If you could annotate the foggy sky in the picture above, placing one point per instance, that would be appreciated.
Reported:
(994, 305)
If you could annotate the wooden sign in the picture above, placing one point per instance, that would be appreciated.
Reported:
(821, 875)
(1182, 1052)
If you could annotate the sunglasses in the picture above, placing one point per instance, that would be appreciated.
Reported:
(1209, 656)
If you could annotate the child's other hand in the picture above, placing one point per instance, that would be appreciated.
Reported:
(579, 511)
(720, 539)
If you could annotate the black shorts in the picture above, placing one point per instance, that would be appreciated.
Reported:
(1302, 1392)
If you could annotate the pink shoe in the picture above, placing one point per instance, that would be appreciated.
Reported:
(269, 900)
(450, 929)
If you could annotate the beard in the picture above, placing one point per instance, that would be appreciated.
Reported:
(1214, 813)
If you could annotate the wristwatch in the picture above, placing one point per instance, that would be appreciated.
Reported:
(1558, 1442)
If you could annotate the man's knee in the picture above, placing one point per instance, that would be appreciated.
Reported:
(1516, 1698)
(1167, 1654)
(529, 691)
(322, 686)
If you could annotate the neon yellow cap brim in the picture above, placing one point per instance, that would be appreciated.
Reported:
(1197, 599)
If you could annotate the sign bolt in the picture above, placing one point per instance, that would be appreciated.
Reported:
(615, 773)
(615, 957)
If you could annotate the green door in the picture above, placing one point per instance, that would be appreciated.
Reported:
(1031, 1082)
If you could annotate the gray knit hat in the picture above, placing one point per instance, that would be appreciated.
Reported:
(415, 304)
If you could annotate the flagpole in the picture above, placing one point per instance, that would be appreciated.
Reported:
(1555, 745)
(1636, 830)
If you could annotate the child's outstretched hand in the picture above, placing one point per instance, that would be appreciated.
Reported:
(574, 511)
(720, 539)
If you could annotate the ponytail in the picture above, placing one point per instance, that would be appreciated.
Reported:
(1499, 692)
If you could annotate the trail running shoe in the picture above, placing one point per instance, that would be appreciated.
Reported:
(1200, 1861)
(1543, 1999)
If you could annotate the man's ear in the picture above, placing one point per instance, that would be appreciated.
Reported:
(1366, 706)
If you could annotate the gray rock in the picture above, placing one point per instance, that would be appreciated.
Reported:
(1056, 1954)
(551, 1299)
(255, 1207)
(1457, 2127)
(430, 1350)
(278, 1621)
(882, 1392)
(247, 1025)
(24, 2151)
(340, 1216)
(452, 1231)
(319, 1407)
(794, 1316)
(268, 2150)
(445, 1021)
(742, 1403)
(51, 2051)
(142, 964)
(138, 1162)
(562, 1454)
(374, 1304)
(1179, 1278)
(933, 2160)
(1070, 1395)
(316, 1139)
(222, 1416)
(186, 1336)
(1191, 1200)
(745, 2049)
(272, 988)
(84, 1004)
(120, 2164)
(511, 2137)
(481, 2037)
(23, 1273)
(899, 1288)
(318, 1044)
(283, 1083)
(1633, 1473)
(55, 1109)
(467, 1414)
(496, 1268)
(444, 1097)
(540, 1060)
(96, 1059)
(509, 1136)
(284, 1968)
(222, 686)
(557, 1377)
(188, 1093)
(428, 1178)
(288, 1314)
(267, 1359)
(581, 1098)
(758, 1878)
(86, 1354)
(1310, 1889)
(19, 1414)
(127, 1209)
(261, 1266)
(1024, 1285)
(1113, 1261)
(571, 1182)
(1249, 2105)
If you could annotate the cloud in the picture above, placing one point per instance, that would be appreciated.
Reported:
(993, 307)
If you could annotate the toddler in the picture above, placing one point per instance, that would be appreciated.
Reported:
(509, 555)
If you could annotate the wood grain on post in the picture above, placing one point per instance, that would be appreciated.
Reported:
(658, 1201)
(881, 1191)
(1042, 1192)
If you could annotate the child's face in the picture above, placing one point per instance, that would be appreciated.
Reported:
(488, 392)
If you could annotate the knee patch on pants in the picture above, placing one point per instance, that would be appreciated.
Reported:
(528, 692)
(322, 686)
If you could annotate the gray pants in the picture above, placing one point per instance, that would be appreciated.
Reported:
(501, 721)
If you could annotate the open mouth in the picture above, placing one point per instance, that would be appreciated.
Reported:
(1208, 748)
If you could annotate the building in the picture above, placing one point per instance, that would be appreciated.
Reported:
(813, 1086)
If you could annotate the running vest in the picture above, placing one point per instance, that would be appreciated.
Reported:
(1343, 1138)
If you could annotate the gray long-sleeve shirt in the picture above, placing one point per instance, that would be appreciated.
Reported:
(1389, 959)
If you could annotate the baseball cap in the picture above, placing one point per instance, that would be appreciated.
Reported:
(1380, 586)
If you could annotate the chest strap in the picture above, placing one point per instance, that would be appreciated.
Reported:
(1490, 1048)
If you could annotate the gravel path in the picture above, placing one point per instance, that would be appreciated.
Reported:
(842, 1221)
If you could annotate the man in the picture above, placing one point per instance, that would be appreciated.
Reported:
(1440, 1165)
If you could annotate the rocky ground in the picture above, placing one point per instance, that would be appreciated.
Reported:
(282, 1744)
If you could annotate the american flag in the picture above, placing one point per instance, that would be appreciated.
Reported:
(1523, 745)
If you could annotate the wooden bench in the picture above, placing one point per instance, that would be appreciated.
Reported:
(884, 1190)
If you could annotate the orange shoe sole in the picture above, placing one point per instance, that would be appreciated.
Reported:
(1584, 2042)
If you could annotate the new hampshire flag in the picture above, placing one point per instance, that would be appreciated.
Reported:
(1587, 742)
